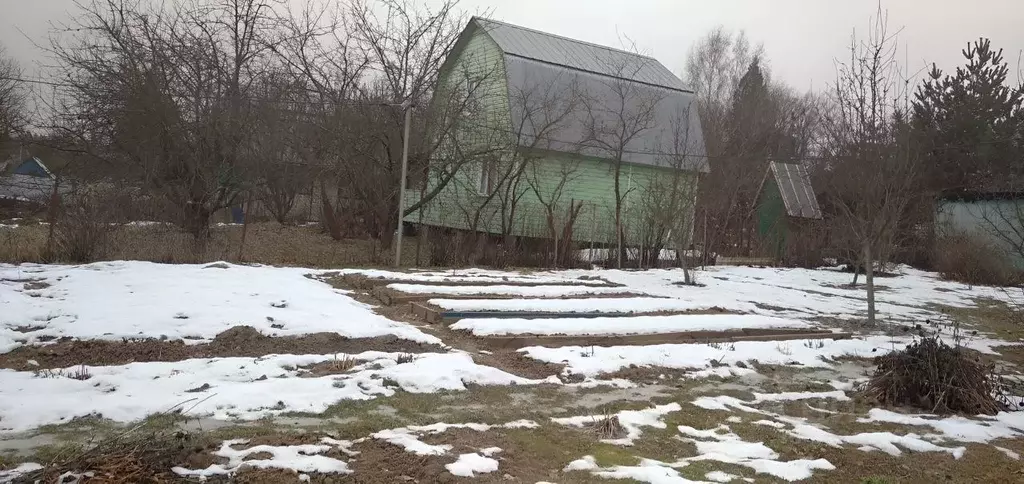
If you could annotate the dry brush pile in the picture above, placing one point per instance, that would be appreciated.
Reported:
(939, 378)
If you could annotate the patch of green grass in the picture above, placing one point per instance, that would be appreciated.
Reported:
(989, 316)
(874, 480)
(57, 452)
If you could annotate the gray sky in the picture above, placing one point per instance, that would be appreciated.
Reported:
(801, 37)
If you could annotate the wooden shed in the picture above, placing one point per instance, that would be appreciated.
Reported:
(785, 203)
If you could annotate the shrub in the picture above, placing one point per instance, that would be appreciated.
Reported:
(970, 260)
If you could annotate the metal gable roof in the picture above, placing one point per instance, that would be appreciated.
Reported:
(673, 139)
(574, 54)
(795, 187)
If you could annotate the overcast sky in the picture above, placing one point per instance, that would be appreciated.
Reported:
(801, 37)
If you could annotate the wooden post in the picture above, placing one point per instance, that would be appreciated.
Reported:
(246, 209)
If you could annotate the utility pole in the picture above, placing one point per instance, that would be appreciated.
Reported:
(407, 106)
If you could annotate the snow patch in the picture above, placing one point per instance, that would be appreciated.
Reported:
(470, 275)
(719, 476)
(180, 301)
(408, 437)
(791, 396)
(630, 420)
(10, 475)
(521, 291)
(468, 465)
(595, 360)
(623, 325)
(237, 388)
(1002, 426)
(591, 305)
(298, 458)
(722, 445)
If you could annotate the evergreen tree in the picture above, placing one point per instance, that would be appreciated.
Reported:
(969, 125)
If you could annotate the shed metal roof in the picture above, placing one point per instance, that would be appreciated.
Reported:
(579, 55)
(795, 186)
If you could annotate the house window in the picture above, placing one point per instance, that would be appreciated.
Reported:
(485, 179)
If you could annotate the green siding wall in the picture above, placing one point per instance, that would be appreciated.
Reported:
(586, 180)
(999, 223)
(771, 218)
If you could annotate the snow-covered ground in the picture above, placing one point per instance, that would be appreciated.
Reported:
(499, 290)
(115, 300)
(592, 305)
(593, 360)
(805, 293)
(227, 388)
(481, 276)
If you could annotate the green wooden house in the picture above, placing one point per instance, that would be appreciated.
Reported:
(785, 203)
(545, 125)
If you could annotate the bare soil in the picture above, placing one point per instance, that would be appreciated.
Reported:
(379, 462)
(646, 374)
(237, 341)
(518, 364)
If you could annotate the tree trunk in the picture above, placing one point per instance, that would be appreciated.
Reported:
(618, 219)
(197, 222)
(52, 214)
(328, 217)
(869, 280)
(245, 225)
(687, 277)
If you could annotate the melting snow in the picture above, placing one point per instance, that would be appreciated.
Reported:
(630, 420)
(591, 305)
(470, 464)
(623, 325)
(299, 458)
(721, 445)
(960, 428)
(790, 396)
(470, 275)
(10, 475)
(237, 387)
(595, 360)
(179, 301)
(719, 476)
(408, 437)
(522, 291)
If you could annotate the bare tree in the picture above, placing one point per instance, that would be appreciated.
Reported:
(668, 202)
(715, 65)
(1004, 220)
(365, 59)
(540, 109)
(560, 214)
(871, 168)
(747, 119)
(167, 94)
(617, 113)
(11, 96)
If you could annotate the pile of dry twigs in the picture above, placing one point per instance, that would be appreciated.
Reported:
(934, 376)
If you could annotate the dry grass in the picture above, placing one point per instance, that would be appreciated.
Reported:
(972, 261)
(265, 243)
